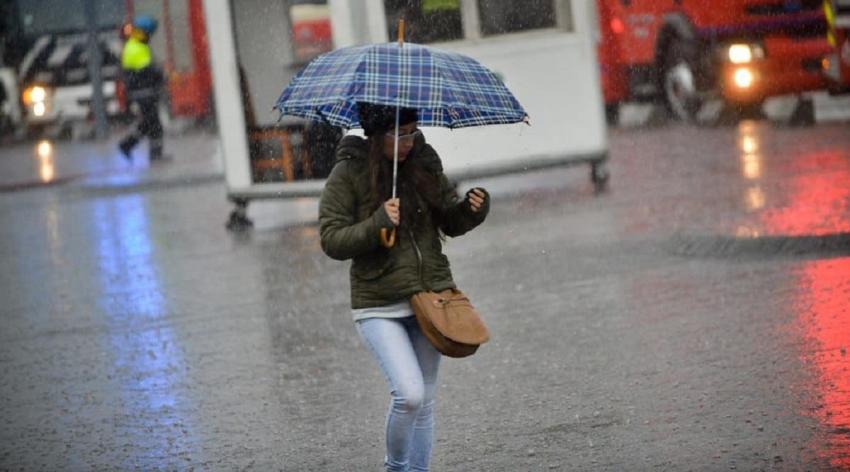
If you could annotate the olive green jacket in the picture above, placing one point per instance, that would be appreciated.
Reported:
(349, 229)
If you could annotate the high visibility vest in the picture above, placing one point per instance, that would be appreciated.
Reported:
(829, 14)
(136, 55)
(430, 6)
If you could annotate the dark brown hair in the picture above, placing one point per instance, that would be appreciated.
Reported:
(418, 187)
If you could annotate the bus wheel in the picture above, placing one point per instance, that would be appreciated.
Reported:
(681, 95)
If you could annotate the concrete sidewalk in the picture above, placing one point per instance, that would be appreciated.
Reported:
(194, 158)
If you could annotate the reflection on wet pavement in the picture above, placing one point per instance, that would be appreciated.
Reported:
(813, 199)
(824, 316)
(47, 170)
(146, 354)
(816, 201)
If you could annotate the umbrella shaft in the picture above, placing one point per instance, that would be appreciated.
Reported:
(397, 106)
(395, 148)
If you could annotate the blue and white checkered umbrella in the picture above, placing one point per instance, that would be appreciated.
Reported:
(446, 88)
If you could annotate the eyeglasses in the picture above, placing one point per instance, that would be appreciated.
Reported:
(404, 137)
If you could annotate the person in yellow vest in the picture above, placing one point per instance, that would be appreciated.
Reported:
(441, 20)
(143, 84)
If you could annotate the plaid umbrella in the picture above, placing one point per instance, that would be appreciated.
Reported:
(446, 88)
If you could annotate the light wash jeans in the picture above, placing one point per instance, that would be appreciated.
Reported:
(409, 363)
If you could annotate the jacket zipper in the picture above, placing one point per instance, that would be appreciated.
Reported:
(419, 260)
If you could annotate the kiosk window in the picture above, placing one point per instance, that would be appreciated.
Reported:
(508, 16)
(311, 28)
(426, 21)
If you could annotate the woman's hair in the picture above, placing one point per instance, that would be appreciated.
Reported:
(418, 187)
(378, 119)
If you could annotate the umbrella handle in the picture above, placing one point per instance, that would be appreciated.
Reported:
(387, 237)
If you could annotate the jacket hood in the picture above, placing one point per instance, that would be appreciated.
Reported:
(351, 147)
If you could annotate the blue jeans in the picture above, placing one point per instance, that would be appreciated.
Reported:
(409, 363)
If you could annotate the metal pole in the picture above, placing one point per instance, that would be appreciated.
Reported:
(95, 62)
(470, 18)
(398, 104)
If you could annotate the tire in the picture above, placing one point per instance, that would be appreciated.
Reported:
(680, 80)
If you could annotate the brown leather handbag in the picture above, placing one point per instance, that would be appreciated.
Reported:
(450, 322)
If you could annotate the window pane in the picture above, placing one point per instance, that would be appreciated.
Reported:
(311, 28)
(507, 16)
(181, 36)
(425, 21)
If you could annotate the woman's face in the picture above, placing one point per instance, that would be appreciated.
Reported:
(406, 135)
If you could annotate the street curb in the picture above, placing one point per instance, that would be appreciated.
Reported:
(151, 184)
(144, 185)
(833, 245)
(38, 184)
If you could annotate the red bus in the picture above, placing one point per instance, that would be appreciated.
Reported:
(685, 52)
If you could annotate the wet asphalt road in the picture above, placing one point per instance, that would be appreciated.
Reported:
(695, 317)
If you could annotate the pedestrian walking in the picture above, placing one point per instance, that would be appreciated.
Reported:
(356, 204)
(143, 83)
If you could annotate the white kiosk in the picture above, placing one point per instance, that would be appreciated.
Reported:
(544, 50)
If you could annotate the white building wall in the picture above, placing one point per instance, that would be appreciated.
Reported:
(356, 22)
(264, 45)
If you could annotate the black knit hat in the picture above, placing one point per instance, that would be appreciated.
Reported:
(376, 119)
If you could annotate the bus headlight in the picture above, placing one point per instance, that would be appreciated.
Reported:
(744, 53)
(744, 77)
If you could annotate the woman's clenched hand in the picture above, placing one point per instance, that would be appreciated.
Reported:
(391, 206)
(476, 199)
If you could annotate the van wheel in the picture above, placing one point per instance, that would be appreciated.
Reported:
(682, 96)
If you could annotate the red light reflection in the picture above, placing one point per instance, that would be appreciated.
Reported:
(818, 203)
(825, 317)
(818, 200)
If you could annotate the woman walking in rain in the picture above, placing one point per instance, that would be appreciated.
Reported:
(355, 206)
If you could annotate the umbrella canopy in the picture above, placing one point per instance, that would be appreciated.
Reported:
(446, 88)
